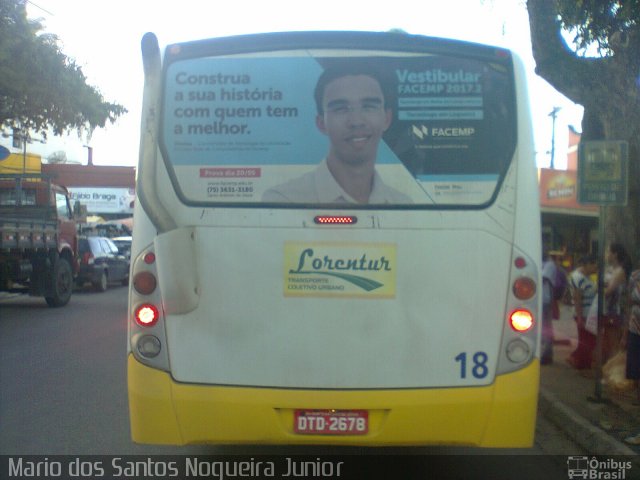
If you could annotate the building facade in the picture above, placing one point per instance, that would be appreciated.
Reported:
(567, 226)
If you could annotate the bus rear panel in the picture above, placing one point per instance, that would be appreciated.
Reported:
(271, 304)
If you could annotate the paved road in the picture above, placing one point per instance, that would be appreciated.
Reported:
(64, 376)
(63, 381)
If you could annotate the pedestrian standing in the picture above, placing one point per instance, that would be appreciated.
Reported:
(633, 332)
(560, 283)
(549, 273)
(583, 292)
(633, 341)
(615, 281)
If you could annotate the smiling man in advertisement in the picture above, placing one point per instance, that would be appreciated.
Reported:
(353, 111)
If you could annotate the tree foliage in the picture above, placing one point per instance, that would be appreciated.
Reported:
(59, 156)
(597, 22)
(599, 68)
(40, 87)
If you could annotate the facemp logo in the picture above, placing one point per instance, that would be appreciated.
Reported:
(596, 469)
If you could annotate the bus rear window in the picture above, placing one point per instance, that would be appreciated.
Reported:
(337, 127)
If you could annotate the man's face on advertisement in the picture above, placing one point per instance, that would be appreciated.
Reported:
(354, 118)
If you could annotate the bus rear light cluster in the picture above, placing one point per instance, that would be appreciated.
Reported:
(147, 331)
(521, 327)
(147, 315)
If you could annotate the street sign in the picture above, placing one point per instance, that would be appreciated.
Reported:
(603, 172)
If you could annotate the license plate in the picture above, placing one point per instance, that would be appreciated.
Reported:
(331, 422)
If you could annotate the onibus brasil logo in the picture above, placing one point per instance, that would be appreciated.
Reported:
(368, 271)
(595, 468)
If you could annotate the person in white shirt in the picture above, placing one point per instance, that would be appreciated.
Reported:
(583, 292)
(353, 112)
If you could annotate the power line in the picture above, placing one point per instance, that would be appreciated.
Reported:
(43, 9)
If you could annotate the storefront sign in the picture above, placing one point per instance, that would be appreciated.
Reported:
(559, 189)
(104, 200)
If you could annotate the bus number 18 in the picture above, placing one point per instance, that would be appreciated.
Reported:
(479, 368)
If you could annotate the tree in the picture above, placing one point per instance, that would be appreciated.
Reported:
(59, 156)
(599, 69)
(41, 88)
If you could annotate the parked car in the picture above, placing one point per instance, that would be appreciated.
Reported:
(124, 245)
(101, 263)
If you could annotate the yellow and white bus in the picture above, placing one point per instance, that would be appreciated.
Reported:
(336, 241)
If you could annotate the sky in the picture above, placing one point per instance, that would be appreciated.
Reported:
(104, 40)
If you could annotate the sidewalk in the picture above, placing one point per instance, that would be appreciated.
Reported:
(567, 399)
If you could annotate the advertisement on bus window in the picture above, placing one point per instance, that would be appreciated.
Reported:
(323, 128)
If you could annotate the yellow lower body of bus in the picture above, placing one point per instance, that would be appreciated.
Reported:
(164, 411)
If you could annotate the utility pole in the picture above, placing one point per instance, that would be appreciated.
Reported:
(25, 139)
(553, 115)
(89, 155)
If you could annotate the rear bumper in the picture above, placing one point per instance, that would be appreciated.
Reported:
(166, 412)
(89, 273)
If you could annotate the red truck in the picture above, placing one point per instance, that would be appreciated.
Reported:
(38, 238)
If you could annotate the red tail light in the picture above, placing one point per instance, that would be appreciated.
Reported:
(520, 262)
(147, 315)
(335, 219)
(524, 288)
(144, 283)
(521, 320)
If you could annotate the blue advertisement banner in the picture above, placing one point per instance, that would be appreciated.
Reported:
(235, 127)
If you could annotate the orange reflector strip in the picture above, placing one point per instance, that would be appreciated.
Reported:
(335, 219)
(521, 320)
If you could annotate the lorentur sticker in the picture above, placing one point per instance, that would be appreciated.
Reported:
(339, 270)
